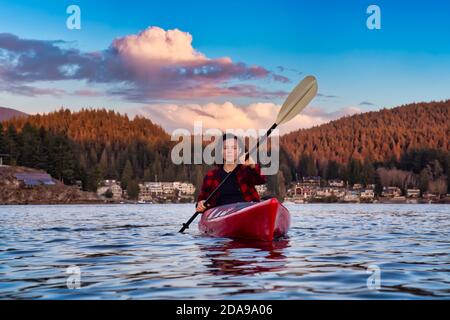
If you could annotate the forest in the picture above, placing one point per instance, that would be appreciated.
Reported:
(407, 146)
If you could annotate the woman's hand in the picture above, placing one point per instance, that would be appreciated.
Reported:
(201, 206)
(248, 163)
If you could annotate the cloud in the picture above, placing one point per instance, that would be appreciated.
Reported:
(283, 69)
(87, 93)
(31, 91)
(231, 116)
(327, 96)
(366, 103)
(152, 65)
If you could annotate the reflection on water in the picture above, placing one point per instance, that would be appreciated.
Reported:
(233, 257)
(126, 251)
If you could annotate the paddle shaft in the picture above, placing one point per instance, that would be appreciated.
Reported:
(247, 155)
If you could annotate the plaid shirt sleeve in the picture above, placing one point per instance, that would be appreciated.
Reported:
(210, 181)
(254, 175)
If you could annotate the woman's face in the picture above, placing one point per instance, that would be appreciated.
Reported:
(230, 150)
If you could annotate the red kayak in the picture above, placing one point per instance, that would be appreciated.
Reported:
(265, 220)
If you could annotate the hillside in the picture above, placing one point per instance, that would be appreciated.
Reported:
(91, 145)
(8, 113)
(104, 126)
(379, 135)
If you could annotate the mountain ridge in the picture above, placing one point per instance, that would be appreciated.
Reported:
(9, 113)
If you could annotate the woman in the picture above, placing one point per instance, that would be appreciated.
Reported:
(240, 186)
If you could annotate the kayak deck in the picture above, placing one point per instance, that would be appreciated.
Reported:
(264, 221)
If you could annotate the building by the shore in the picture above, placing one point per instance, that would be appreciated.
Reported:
(162, 191)
(113, 187)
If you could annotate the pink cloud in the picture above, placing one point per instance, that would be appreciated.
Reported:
(87, 93)
(231, 116)
(154, 64)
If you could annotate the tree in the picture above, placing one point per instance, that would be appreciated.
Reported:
(307, 166)
(103, 163)
(3, 142)
(426, 176)
(378, 185)
(127, 175)
(93, 179)
(368, 173)
(333, 170)
(276, 185)
(61, 158)
(29, 149)
(438, 186)
(133, 189)
(354, 171)
(42, 150)
(13, 144)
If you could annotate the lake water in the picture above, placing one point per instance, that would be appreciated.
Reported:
(134, 252)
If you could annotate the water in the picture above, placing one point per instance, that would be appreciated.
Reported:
(134, 252)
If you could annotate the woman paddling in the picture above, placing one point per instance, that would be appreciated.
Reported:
(240, 187)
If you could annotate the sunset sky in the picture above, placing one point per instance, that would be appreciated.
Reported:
(229, 64)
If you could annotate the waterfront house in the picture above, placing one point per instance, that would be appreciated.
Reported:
(336, 183)
(113, 186)
(413, 193)
(367, 194)
(429, 196)
(185, 188)
(145, 194)
(351, 196)
(155, 188)
(33, 179)
(311, 181)
(391, 192)
(357, 186)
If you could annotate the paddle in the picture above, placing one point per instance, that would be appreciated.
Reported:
(297, 100)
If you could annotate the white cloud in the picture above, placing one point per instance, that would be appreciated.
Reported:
(230, 116)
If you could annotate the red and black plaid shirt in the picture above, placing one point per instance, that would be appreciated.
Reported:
(246, 177)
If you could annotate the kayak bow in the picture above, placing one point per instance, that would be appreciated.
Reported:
(265, 220)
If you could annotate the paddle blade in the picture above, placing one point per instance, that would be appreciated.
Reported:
(299, 98)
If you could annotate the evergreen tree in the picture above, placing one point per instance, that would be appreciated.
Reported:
(93, 179)
(103, 164)
(30, 146)
(133, 189)
(13, 142)
(307, 166)
(354, 171)
(61, 158)
(378, 184)
(3, 144)
(42, 150)
(333, 170)
(368, 173)
(425, 177)
(276, 185)
(127, 175)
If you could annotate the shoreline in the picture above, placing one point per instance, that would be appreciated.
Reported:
(170, 203)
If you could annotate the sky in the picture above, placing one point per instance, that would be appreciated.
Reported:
(228, 64)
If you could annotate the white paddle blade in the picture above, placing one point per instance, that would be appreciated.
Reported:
(298, 99)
